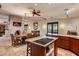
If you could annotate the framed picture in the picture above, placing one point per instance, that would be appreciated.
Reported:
(35, 24)
(16, 23)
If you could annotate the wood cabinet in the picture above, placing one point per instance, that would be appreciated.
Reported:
(35, 50)
(63, 42)
(68, 43)
(74, 46)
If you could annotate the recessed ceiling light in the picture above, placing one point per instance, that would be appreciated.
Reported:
(72, 3)
(35, 4)
(49, 3)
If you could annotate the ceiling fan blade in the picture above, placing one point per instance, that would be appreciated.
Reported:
(38, 14)
(0, 5)
(38, 11)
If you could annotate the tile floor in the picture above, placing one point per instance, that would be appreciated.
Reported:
(7, 50)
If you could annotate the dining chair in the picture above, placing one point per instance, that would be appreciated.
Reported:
(13, 40)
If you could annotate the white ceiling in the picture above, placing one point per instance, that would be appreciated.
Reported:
(47, 10)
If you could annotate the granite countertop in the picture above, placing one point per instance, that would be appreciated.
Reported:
(72, 36)
(40, 38)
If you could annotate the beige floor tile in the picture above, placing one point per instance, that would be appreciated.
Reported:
(7, 50)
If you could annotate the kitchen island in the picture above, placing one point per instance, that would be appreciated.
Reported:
(41, 47)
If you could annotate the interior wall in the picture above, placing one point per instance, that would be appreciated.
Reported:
(61, 25)
(42, 25)
(12, 28)
(4, 19)
(67, 24)
(64, 25)
(73, 25)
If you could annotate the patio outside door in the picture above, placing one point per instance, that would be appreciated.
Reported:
(52, 27)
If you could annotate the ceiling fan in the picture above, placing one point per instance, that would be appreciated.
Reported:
(36, 12)
(66, 12)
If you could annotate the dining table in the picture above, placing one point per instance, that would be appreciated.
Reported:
(21, 37)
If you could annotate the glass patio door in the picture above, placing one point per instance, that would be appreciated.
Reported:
(52, 27)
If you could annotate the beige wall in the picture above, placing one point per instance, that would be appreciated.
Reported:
(41, 25)
(64, 25)
(74, 25)
(15, 28)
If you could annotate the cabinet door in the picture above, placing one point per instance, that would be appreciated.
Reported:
(58, 42)
(75, 46)
(63, 42)
(66, 42)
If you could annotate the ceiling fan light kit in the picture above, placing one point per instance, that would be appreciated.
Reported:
(35, 4)
(66, 12)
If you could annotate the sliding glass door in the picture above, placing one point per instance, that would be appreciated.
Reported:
(52, 27)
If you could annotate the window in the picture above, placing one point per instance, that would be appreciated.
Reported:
(25, 28)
